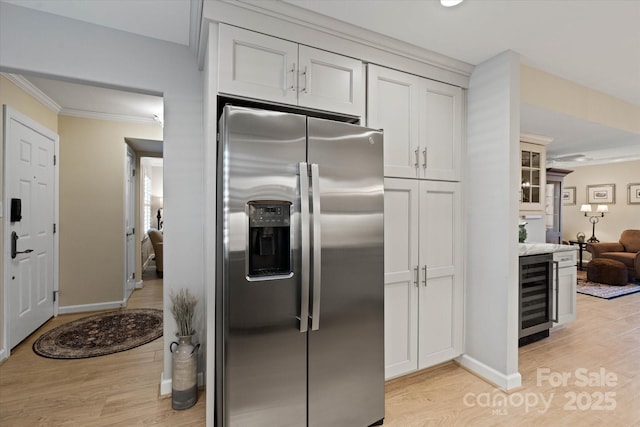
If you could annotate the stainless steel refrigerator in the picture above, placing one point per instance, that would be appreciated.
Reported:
(299, 292)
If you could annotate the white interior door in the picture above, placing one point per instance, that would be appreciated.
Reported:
(130, 225)
(30, 253)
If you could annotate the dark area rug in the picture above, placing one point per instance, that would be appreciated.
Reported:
(600, 290)
(100, 334)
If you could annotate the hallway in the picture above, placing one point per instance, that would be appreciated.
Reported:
(120, 389)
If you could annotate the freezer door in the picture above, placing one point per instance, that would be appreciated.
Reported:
(260, 351)
(346, 345)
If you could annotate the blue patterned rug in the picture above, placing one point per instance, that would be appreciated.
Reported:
(606, 291)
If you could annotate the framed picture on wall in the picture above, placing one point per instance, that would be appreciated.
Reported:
(569, 196)
(633, 194)
(601, 194)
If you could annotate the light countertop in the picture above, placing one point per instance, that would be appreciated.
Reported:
(543, 248)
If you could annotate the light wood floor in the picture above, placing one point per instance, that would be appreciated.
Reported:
(122, 389)
(605, 336)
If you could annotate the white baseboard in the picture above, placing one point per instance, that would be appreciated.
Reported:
(3, 354)
(91, 307)
(139, 284)
(165, 385)
(505, 382)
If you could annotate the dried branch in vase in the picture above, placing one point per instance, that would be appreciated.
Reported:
(183, 307)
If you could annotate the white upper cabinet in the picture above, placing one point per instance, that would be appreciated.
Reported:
(422, 123)
(393, 105)
(330, 82)
(257, 66)
(533, 173)
(440, 130)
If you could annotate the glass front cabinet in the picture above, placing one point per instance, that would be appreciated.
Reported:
(532, 173)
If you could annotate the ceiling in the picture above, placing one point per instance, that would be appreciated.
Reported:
(595, 43)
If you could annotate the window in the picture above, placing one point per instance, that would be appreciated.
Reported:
(146, 197)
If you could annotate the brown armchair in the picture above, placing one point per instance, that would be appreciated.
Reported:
(627, 251)
(157, 241)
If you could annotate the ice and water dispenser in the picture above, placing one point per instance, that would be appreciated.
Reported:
(269, 239)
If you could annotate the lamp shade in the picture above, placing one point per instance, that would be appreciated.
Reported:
(585, 208)
(602, 209)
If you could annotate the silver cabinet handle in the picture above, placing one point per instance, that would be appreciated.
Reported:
(417, 276)
(557, 313)
(417, 163)
(304, 235)
(317, 246)
(424, 153)
(305, 74)
(293, 77)
(424, 269)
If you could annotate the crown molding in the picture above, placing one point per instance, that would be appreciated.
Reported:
(25, 85)
(107, 116)
(32, 90)
(535, 139)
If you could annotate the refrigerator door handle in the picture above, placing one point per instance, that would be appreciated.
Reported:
(304, 236)
(317, 246)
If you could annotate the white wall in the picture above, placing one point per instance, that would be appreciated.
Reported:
(491, 189)
(53, 46)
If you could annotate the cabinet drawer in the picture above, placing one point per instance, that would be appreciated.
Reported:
(565, 258)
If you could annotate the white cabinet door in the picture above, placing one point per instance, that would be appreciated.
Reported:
(330, 82)
(564, 287)
(441, 292)
(400, 276)
(392, 105)
(422, 122)
(262, 67)
(257, 66)
(440, 130)
(423, 274)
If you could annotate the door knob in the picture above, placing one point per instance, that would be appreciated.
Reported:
(14, 246)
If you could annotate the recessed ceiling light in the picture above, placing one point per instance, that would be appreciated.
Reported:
(450, 3)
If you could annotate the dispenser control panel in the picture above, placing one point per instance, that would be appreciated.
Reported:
(269, 234)
(268, 215)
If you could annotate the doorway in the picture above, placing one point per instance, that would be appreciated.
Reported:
(92, 225)
(152, 214)
(130, 224)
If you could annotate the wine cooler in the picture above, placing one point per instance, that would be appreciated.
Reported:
(535, 310)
